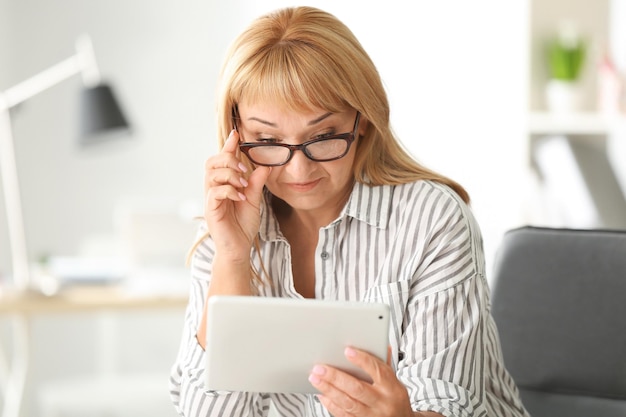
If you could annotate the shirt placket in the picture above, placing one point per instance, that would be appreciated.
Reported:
(325, 264)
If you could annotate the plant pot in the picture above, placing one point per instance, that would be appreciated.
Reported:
(563, 96)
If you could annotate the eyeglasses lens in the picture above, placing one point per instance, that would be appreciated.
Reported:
(323, 150)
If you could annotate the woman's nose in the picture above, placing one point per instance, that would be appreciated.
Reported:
(299, 162)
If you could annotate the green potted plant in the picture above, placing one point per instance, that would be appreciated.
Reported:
(565, 57)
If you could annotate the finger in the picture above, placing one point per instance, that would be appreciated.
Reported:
(216, 195)
(224, 168)
(221, 176)
(231, 142)
(337, 410)
(341, 388)
(227, 158)
(378, 370)
(256, 181)
(385, 382)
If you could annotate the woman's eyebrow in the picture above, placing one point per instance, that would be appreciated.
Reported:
(319, 119)
(265, 122)
(271, 124)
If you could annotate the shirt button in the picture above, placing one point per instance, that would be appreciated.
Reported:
(325, 256)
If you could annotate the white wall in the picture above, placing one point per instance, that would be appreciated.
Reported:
(4, 39)
(456, 73)
(568, 200)
(617, 144)
(618, 32)
(159, 59)
(456, 80)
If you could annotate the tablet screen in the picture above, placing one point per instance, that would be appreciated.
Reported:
(263, 344)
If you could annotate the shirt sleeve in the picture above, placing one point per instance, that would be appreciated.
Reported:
(186, 383)
(444, 340)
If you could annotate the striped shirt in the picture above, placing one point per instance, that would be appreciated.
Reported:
(415, 247)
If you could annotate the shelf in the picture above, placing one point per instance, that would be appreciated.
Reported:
(583, 123)
(86, 299)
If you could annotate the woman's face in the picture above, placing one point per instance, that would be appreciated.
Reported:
(318, 187)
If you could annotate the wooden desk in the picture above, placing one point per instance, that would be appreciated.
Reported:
(86, 298)
(21, 307)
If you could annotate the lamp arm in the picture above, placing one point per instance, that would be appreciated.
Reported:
(8, 166)
(12, 201)
(40, 82)
(83, 61)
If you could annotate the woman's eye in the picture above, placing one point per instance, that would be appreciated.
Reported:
(267, 140)
(325, 135)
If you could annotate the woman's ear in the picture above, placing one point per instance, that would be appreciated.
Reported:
(363, 125)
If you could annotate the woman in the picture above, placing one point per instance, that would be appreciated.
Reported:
(312, 196)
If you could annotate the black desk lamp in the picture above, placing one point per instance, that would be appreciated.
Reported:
(100, 113)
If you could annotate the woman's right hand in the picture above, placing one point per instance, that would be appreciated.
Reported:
(232, 210)
(232, 202)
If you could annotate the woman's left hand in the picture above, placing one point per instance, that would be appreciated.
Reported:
(344, 395)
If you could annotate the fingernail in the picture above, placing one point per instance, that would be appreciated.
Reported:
(242, 167)
(314, 379)
(243, 182)
(349, 352)
(319, 370)
(230, 135)
(242, 196)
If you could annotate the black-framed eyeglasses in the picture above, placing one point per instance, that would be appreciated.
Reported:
(325, 149)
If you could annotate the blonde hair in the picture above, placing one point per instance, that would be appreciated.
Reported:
(305, 58)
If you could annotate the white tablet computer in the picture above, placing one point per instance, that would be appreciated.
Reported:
(263, 344)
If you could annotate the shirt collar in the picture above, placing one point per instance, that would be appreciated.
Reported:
(369, 204)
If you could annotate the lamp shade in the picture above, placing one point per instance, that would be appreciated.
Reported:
(100, 113)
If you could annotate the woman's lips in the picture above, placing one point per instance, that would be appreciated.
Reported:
(303, 186)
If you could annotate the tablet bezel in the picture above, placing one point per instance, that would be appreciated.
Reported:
(264, 344)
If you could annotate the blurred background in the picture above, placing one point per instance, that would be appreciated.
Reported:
(472, 89)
